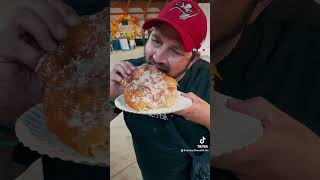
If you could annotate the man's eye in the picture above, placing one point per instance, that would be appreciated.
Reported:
(156, 41)
(175, 52)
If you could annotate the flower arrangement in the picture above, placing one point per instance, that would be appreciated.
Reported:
(125, 19)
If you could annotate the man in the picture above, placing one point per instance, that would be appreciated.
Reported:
(267, 54)
(34, 28)
(159, 140)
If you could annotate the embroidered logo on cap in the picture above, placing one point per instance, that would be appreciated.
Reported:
(187, 10)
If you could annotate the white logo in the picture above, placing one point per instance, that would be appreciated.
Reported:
(187, 10)
(202, 142)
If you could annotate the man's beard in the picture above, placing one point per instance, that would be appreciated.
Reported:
(162, 67)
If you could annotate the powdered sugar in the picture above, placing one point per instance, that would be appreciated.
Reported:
(79, 66)
(150, 84)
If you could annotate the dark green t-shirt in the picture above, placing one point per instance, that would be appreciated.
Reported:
(278, 58)
(156, 143)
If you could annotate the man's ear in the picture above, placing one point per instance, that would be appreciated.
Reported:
(260, 6)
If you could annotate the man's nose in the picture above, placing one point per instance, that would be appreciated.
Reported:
(160, 55)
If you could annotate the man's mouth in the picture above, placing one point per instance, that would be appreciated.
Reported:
(161, 69)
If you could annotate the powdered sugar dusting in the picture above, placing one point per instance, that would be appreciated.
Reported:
(83, 120)
(79, 68)
(153, 89)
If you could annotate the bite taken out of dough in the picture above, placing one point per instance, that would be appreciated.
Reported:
(149, 88)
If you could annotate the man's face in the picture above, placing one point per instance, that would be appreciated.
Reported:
(229, 17)
(164, 49)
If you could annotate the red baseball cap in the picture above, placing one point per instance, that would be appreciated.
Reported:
(187, 18)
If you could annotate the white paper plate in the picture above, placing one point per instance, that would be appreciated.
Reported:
(31, 129)
(179, 104)
(231, 130)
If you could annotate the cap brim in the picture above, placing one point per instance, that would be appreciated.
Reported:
(188, 43)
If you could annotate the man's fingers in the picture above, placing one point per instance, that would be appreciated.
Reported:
(180, 112)
(26, 54)
(126, 67)
(241, 158)
(116, 78)
(257, 108)
(69, 14)
(50, 16)
(33, 25)
(119, 69)
(20, 51)
(132, 67)
(194, 98)
(123, 68)
(189, 95)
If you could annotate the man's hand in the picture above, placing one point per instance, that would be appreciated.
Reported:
(34, 28)
(198, 112)
(119, 72)
(286, 151)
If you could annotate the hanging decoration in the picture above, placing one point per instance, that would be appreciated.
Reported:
(125, 26)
